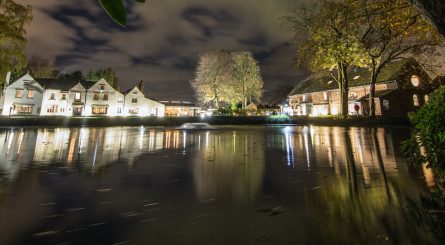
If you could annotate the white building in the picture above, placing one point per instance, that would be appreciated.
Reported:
(103, 100)
(22, 97)
(136, 104)
(55, 97)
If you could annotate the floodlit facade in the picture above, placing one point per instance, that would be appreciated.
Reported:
(402, 87)
(56, 97)
(22, 97)
(180, 108)
(136, 104)
(103, 100)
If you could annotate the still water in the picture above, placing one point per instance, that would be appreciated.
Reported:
(225, 185)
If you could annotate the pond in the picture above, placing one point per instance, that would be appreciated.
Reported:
(223, 185)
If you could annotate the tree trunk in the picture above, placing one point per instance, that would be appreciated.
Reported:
(372, 90)
(344, 90)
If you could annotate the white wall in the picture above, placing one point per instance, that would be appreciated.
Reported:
(144, 106)
(114, 103)
(10, 96)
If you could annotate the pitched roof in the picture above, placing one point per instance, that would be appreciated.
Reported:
(59, 84)
(62, 84)
(88, 84)
(356, 78)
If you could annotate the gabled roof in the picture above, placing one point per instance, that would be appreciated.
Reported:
(131, 89)
(58, 84)
(356, 78)
(87, 84)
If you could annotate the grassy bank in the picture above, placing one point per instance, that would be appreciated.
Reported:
(177, 121)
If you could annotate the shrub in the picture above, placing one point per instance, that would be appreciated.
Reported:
(427, 144)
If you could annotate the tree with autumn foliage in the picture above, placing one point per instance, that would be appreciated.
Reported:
(389, 30)
(213, 79)
(325, 40)
(246, 76)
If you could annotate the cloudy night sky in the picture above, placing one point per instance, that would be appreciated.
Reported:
(163, 39)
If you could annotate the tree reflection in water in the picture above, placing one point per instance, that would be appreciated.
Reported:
(335, 185)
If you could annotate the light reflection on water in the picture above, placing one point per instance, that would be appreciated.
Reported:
(350, 180)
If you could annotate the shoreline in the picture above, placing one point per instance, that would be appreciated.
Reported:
(60, 121)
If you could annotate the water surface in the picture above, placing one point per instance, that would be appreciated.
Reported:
(225, 185)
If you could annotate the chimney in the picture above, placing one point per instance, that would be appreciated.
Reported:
(141, 86)
(8, 78)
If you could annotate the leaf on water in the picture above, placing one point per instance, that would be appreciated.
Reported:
(116, 10)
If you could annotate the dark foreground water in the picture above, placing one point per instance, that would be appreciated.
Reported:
(227, 185)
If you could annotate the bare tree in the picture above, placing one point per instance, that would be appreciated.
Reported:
(40, 66)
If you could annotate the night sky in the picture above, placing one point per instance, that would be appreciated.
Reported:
(163, 39)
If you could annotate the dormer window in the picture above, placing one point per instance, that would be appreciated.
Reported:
(52, 96)
(415, 80)
(26, 83)
(102, 87)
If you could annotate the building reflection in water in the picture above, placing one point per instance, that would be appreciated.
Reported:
(226, 163)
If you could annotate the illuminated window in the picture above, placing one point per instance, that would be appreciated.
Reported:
(19, 93)
(23, 109)
(63, 96)
(105, 96)
(415, 80)
(134, 100)
(77, 97)
(52, 96)
(416, 100)
(52, 109)
(305, 98)
(385, 105)
(30, 94)
(134, 111)
(100, 110)
(427, 98)
(96, 96)
(325, 95)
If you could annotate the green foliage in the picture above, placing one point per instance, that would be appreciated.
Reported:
(13, 19)
(108, 74)
(116, 10)
(326, 42)
(427, 145)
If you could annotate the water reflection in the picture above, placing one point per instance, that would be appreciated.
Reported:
(350, 180)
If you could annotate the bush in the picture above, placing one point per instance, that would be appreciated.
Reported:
(427, 144)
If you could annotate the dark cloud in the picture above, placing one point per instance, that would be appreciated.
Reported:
(163, 39)
(211, 22)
